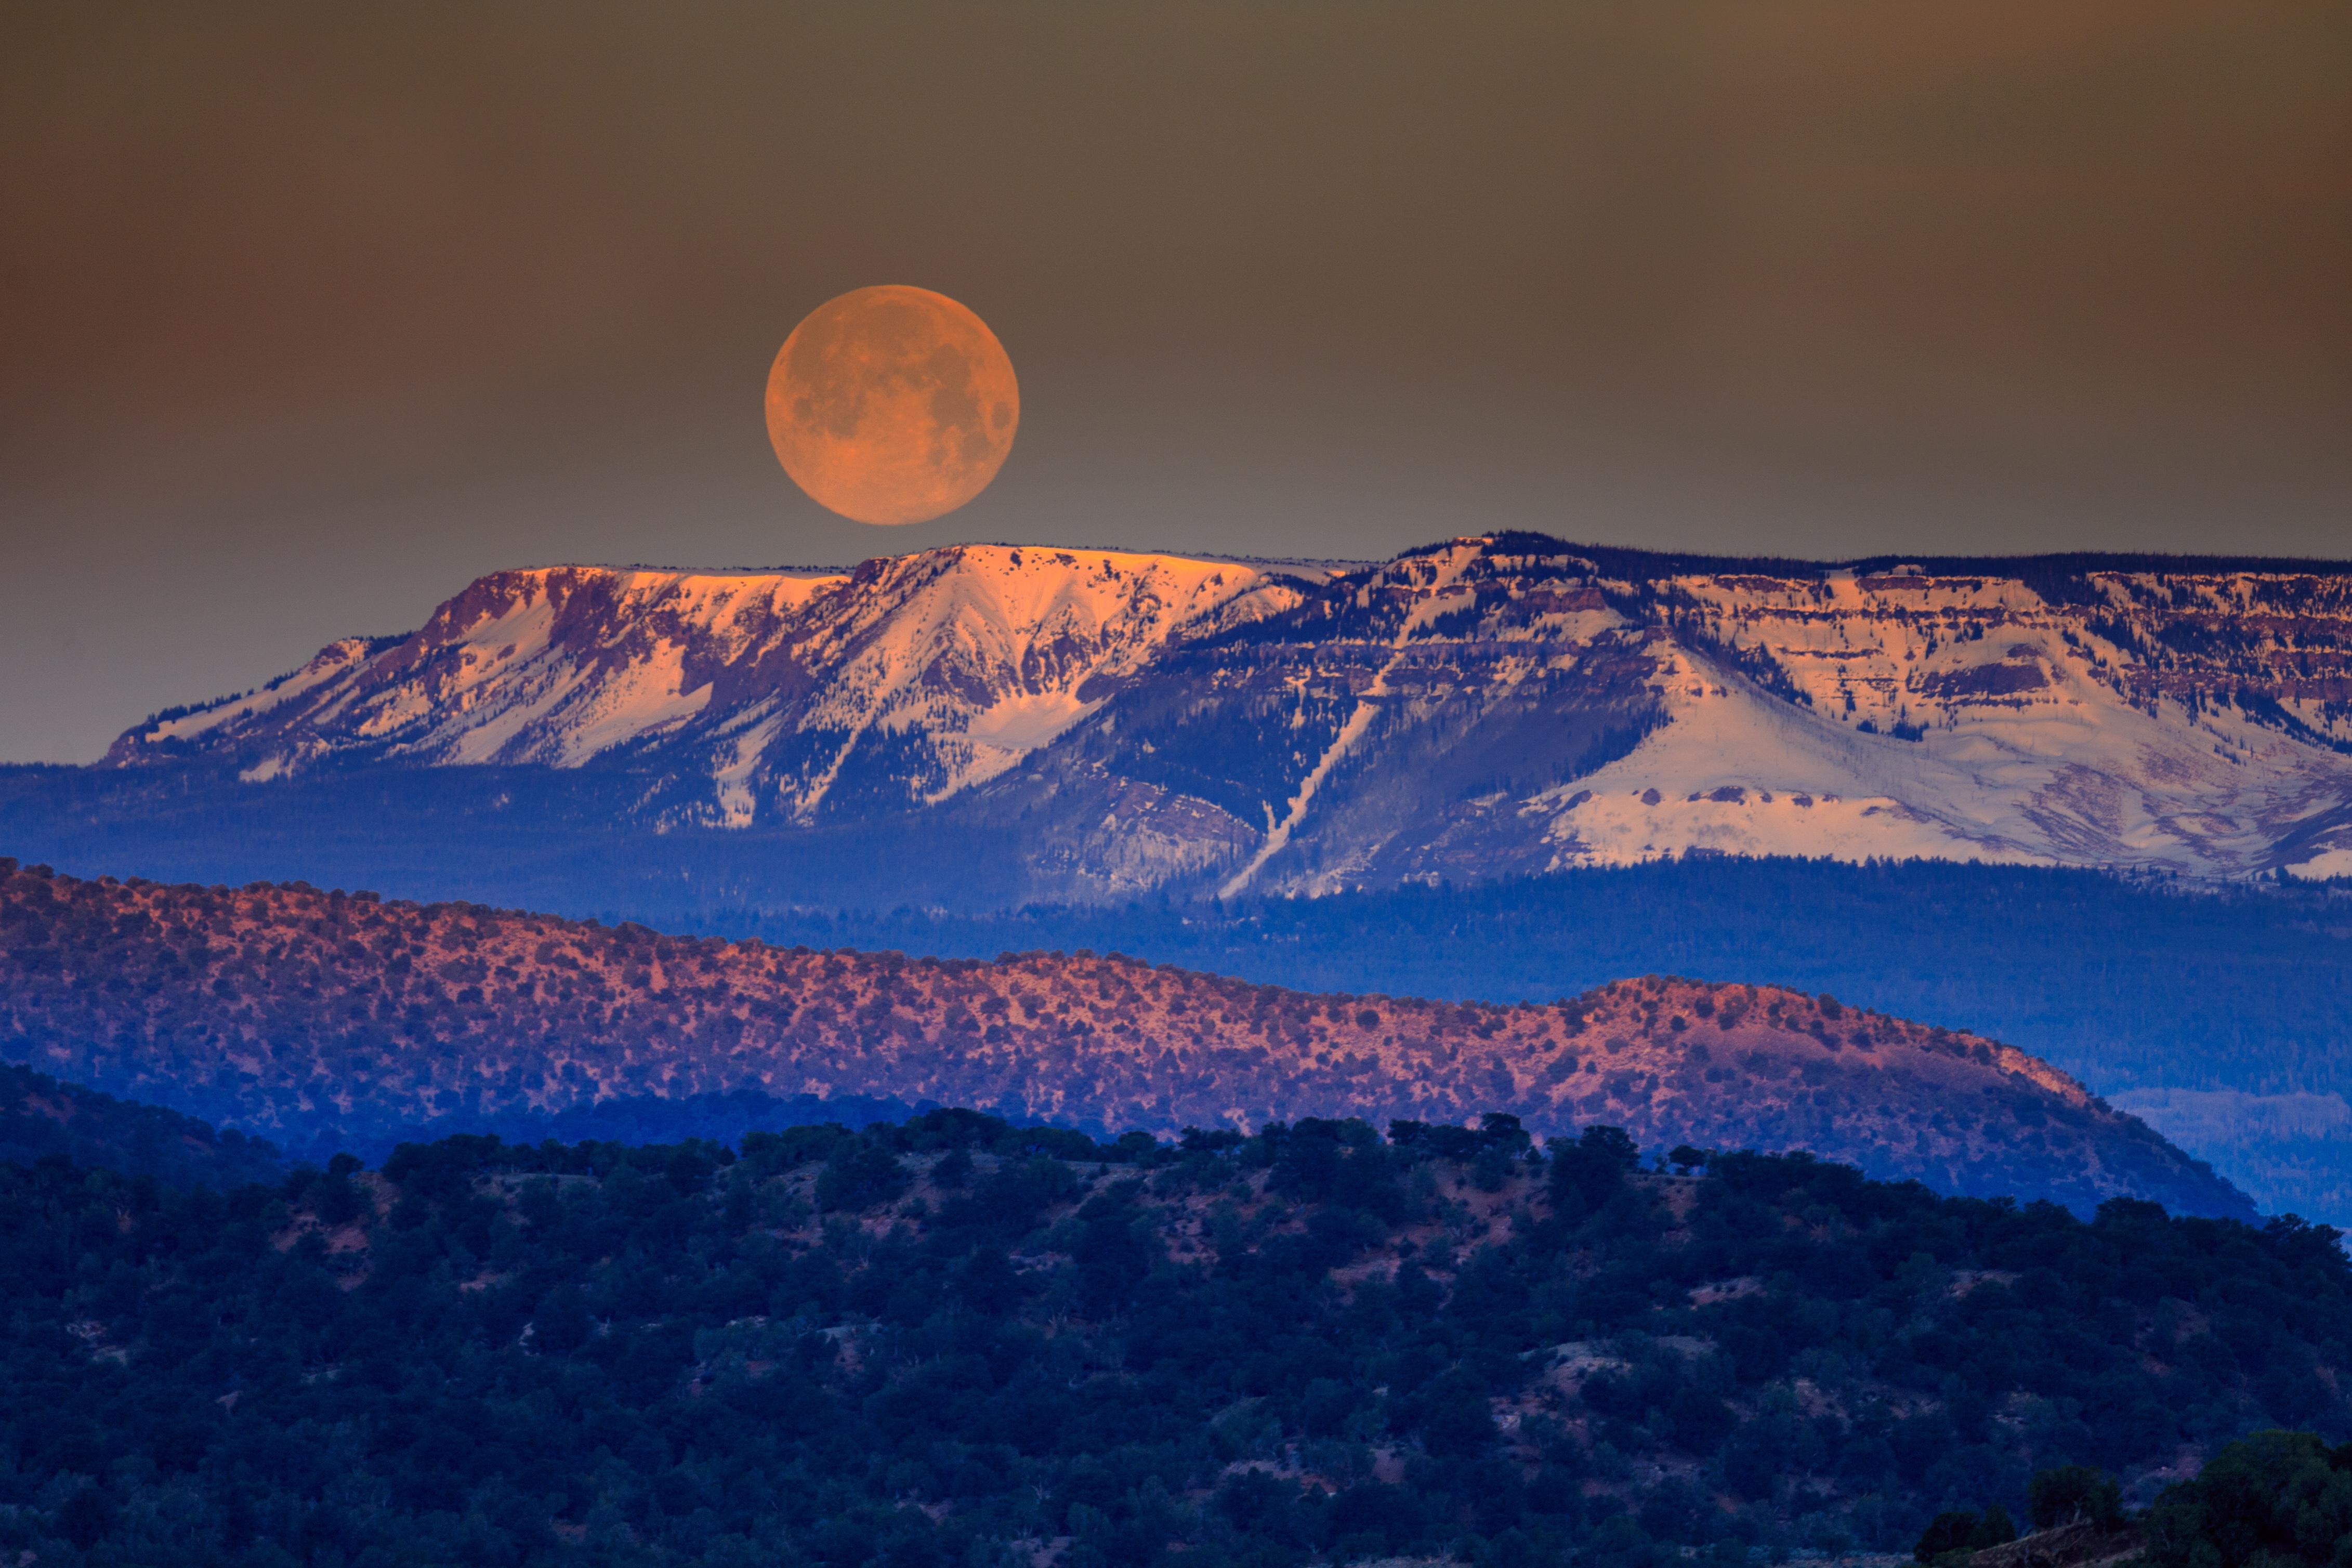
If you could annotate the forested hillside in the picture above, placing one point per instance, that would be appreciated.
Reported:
(41, 1118)
(2239, 995)
(956, 1342)
(327, 1016)
(2134, 983)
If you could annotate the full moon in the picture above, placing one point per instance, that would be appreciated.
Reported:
(892, 404)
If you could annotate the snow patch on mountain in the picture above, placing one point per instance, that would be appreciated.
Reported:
(335, 660)
(2326, 864)
(2021, 747)
(1736, 772)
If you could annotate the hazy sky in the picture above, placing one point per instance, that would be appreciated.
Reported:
(309, 314)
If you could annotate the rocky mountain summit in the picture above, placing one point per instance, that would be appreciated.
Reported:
(1121, 723)
(291, 1012)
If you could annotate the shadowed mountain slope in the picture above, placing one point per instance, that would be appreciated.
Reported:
(303, 1013)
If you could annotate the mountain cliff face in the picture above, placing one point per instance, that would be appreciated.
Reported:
(1490, 705)
(293, 1011)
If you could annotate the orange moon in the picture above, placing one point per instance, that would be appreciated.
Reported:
(892, 404)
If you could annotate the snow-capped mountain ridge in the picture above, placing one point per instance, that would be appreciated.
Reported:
(1488, 704)
(770, 679)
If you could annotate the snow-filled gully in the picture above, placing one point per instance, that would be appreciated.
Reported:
(1426, 601)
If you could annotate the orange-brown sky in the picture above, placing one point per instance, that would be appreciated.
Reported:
(308, 314)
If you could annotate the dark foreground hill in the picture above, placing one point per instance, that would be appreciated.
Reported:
(311, 1015)
(959, 1343)
(41, 1118)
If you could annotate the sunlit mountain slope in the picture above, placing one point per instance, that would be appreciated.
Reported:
(288, 1010)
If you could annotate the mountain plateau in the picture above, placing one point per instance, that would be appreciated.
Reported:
(1109, 725)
